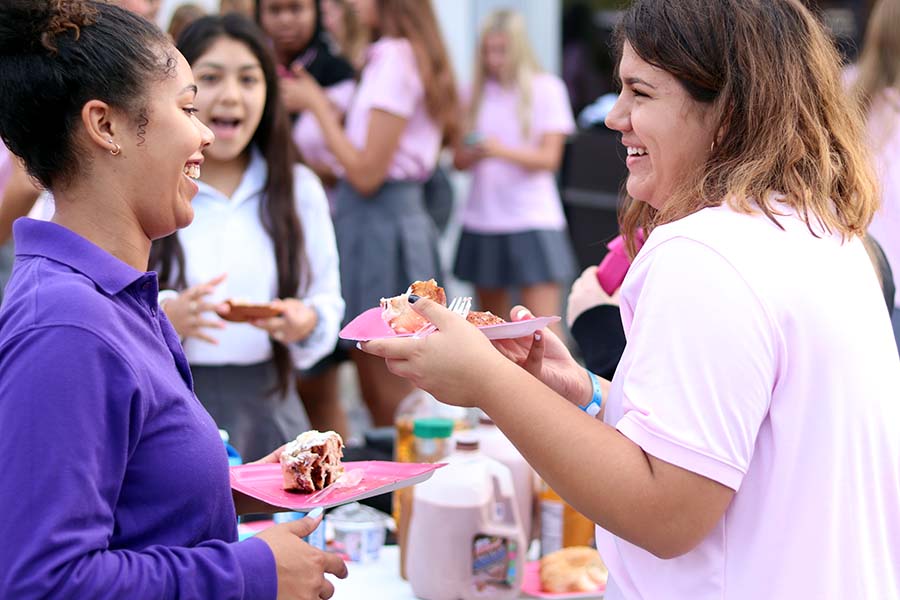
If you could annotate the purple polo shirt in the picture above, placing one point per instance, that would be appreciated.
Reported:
(114, 479)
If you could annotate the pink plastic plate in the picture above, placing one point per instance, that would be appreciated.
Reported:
(264, 482)
(531, 586)
(370, 326)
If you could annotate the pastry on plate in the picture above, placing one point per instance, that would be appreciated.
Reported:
(573, 569)
(399, 314)
(312, 461)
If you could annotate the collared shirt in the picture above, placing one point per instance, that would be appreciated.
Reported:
(227, 236)
(760, 356)
(115, 482)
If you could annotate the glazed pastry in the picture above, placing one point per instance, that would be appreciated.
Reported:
(312, 461)
(574, 569)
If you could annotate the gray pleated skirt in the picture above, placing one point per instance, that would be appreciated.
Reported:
(385, 242)
(515, 259)
(238, 398)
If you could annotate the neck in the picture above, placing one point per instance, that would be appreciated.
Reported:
(104, 218)
(225, 176)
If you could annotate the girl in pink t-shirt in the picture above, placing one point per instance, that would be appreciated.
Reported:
(748, 445)
(404, 108)
(514, 232)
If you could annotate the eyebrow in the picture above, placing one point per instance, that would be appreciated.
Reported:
(189, 88)
(638, 80)
(221, 67)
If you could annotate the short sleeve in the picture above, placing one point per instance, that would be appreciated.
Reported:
(700, 363)
(392, 79)
(553, 113)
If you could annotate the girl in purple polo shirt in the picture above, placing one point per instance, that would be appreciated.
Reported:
(514, 232)
(404, 107)
(115, 481)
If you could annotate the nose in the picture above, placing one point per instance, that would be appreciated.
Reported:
(207, 137)
(619, 117)
(230, 91)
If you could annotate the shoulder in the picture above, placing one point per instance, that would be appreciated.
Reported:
(545, 82)
(391, 48)
(44, 292)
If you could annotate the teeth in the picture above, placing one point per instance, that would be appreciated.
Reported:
(632, 151)
(192, 170)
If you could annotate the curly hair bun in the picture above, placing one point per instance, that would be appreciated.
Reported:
(27, 26)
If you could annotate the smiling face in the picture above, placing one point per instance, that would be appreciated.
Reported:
(667, 133)
(290, 23)
(163, 157)
(232, 96)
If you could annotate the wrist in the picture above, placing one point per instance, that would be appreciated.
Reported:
(594, 405)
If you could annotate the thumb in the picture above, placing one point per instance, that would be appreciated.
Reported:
(535, 356)
(438, 314)
(305, 526)
(520, 313)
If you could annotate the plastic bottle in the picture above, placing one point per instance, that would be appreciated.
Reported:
(492, 442)
(466, 539)
(419, 404)
(561, 525)
(431, 442)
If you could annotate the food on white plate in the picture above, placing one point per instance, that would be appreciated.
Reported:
(312, 461)
(240, 311)
(483, 318)
(574, 569)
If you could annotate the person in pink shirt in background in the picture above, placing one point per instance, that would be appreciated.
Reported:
(404, 108)
(514, 231)
(748, 445)
(877, 90)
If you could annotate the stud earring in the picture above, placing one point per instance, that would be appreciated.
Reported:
(117, 150)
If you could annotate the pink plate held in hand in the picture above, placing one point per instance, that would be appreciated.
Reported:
(370, 478)
(370, 326)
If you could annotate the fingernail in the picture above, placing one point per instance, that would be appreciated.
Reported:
(359, 345)
(523, 312)
(537, 337)
(315, 513)
(413, 298)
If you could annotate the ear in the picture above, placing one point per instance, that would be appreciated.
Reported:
(100, 124)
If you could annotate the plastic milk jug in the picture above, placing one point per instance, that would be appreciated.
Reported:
(466, 539)
(493, 443)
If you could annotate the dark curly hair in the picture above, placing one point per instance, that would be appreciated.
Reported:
(56, 55)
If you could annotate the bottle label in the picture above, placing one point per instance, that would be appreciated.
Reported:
(551, 526)
(493, 563)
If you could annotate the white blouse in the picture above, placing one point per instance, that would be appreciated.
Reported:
(227, 236)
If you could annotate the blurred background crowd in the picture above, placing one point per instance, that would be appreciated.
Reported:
(486, 162)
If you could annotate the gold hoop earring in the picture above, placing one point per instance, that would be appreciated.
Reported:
(116, 151)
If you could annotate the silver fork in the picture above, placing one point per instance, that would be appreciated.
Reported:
(460, 305)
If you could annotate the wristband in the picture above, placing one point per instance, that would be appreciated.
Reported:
(596, 404)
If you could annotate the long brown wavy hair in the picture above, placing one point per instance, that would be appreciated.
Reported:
(786, 126)
(414, 20)
(277, 207)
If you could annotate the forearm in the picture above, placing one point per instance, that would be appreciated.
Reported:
(600, 472)
(214, 569)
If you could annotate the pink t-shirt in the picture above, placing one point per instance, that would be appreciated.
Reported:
(505, 198)
(884, 135)
(763, 359)
(308, 135)
(391, 82)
